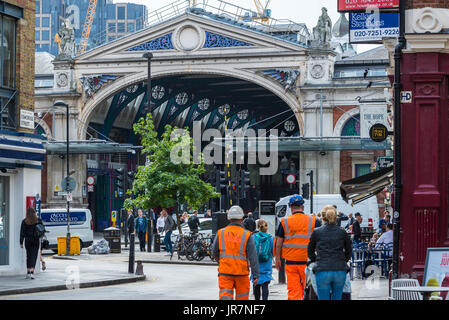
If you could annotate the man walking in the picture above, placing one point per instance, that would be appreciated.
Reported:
(249, 223)
(194, 222)
(141, 229)
(292, 238)
(235, 251)
(168, 228)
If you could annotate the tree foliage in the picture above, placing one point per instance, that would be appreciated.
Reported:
(163, 181)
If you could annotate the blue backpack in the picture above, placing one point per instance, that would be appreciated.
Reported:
(262, 247)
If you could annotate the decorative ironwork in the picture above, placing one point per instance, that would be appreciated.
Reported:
(289, 126)
(132, 89)
(243, 115)
(158, 92)
(91, 84)
(204, 104)
(214, 40)
(161, 43)
(224, 109)
(182, 98)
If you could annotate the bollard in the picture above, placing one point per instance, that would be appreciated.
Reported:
(150, 235)
(139, 268)
(131, 253)
(282, 272)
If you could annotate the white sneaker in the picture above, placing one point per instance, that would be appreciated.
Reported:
(167, 254)
(32, 276)
(28, 276)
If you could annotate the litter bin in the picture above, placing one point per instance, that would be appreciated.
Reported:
(157, 243)
(74, 245)
(112, 236)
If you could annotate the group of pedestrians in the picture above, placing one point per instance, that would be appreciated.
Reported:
(302, 240)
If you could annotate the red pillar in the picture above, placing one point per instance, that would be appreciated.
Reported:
(424, 167)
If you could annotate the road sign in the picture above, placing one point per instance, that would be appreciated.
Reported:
(372, 27)
(406, 97)
(378, 132)
(90, 188)
(113, 216)
(90, 180)
(361, 5)
(69, 196)
(290, 179)
(72, 183)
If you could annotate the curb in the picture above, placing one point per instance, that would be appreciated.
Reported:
(81, 285)
(180, 262)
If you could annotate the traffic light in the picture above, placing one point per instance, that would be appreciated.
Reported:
(220, 180)
(130, 179)
(244, 183)
(119, 182)
(306, 190)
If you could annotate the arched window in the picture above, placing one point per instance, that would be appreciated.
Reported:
(352, 127)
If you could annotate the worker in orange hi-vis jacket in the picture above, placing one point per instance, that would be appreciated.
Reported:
(235, 251)
(292, 238)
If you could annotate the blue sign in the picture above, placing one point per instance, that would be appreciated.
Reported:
(59, 218)
(372, 27)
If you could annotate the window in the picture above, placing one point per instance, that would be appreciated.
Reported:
(120, 28)
(121, 13)
(8, 51)
(46, 22)
(4, 220)
(45, 35)
(362, 169)
(351, 127)
(131, 27)
(38, 22)
(38, 6)
(111, 27)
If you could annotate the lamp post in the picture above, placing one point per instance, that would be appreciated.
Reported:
(63, 104)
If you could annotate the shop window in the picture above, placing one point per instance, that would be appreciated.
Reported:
(8, 51)
(361, 169)
(4, 220)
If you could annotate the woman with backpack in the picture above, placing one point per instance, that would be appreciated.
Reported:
(264, 247)
(31, 232)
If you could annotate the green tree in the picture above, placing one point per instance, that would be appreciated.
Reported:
(170, 176)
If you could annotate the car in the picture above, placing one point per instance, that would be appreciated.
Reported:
(205, 228)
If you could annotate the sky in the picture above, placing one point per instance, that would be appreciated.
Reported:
(301, 11)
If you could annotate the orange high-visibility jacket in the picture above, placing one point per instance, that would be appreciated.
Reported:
(232, 242)
(298, 228)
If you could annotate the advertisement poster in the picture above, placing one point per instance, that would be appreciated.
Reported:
(436, 271)
(372, 27)
(359, 5)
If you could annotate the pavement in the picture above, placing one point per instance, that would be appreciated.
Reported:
(86, 270)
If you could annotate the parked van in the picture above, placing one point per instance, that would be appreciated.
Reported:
(369, 208)
(81, 225)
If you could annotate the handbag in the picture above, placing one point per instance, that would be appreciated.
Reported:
(39, 231)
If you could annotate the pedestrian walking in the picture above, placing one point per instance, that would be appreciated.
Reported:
(194, 222)
(141, 229)
(235, 251)
(356, 229)
(330, 247)
(30, 234)
(160, 223)
(249, 223)
(169, 225)
(292, 238)
(264, 247)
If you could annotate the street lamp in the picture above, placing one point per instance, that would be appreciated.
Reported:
(67, 188)
(148, 56)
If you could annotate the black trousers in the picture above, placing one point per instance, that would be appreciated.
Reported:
(32, 250)
(141, 235)
(257, 288)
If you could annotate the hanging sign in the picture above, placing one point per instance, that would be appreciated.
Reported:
(360, 5)
(372, 27)
(378, 132)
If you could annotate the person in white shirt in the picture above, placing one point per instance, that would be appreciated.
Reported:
(160, 223)
(386, 238)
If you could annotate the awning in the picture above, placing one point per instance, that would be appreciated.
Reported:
(366, 186)
(89, 147)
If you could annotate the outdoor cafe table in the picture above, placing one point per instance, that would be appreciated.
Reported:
(426, 291)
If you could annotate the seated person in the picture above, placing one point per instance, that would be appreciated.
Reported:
(386, 239)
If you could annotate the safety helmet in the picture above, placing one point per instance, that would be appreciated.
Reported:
(296, 200)
(235, 212)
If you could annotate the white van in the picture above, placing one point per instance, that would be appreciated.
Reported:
(81, 225)
(369, 208)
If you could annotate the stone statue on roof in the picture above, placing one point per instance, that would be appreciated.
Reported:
(322, 33)
(66, 39)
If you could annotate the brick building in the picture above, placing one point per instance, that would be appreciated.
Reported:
(21, 151)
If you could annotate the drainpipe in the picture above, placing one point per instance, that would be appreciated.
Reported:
(397, 138)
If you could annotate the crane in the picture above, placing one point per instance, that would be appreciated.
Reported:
(263, 11)
(87, 26)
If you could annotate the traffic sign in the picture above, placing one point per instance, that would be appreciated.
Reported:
(90, 188)
(90, 180)
(113, 216)
(69, 196)
(378, 132)
(291, 179)
(72, 184)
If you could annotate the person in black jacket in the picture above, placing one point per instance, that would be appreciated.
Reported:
(194, 222)
(249, 223)
(32, 241)
(330, 247)
(356, 229)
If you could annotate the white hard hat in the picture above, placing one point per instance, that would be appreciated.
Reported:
(235, 212)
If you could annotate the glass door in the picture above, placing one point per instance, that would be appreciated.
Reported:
(4, 220)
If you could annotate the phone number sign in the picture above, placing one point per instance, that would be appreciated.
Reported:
(372, 27)
(359, 5)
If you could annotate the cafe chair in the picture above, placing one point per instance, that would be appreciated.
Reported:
(403, 295)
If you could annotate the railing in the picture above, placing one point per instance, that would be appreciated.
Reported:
(216, 9)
